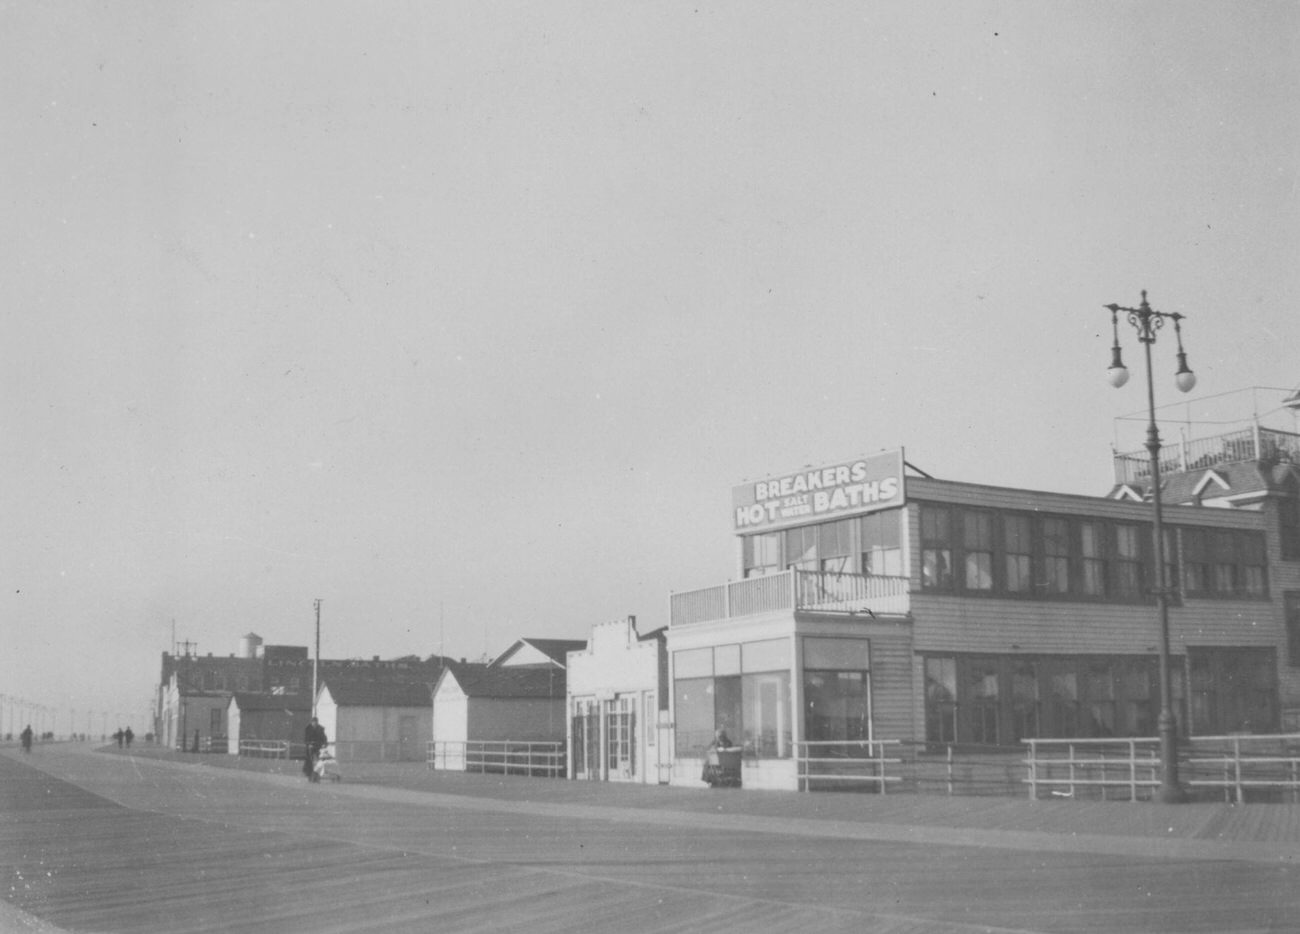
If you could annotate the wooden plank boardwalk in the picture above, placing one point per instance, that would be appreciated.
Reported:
(114, 843)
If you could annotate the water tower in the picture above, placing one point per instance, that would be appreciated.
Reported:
(250, 645)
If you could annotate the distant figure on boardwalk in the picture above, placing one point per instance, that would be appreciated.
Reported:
(128, 736)
(26, 737)
(315, 738)
(118, 736)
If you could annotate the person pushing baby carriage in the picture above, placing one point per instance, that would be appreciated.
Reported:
(722, 762)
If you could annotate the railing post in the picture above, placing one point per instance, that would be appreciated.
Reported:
(1236, 740)
(1132, 771)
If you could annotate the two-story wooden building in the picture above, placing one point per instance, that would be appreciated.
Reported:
(875, 602)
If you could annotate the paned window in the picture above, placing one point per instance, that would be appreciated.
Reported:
(941, 700)
(881, 551)
(1092, 562)
(982, 689)
(936, 548)
(1196, 561)
(1099, 696)
(977, 543)
(762, 554)
(1024, 699)
(1018, 551)
(835, 547)
(1056, 556)
(1254, 581)
(1127, 566)
(801, 548)
(1224, 563)
(838, 706)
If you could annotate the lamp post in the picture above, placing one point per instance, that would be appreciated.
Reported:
(1148, 322)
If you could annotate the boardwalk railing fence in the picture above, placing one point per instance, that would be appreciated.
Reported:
(500, 757)
(854, 764)
(354, 750)
(264, 748)
(1235, 767)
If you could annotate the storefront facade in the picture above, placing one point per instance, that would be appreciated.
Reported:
(617, 721)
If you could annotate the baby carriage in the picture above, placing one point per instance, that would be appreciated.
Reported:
(722, 766)
(327, 767)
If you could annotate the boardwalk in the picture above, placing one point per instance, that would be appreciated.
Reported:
(112, 843)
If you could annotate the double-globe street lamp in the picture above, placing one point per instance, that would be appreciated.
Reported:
(1148, 322)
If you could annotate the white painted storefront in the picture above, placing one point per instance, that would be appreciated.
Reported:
(615, 729)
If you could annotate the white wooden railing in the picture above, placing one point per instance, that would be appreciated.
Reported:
(847, 763)
(1232, 764)
(503, 757)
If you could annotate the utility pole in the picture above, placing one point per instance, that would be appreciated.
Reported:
(315, 665)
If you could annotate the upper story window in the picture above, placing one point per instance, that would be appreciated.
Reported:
(1092, 561)
(1022, 553)
(867, 544)
(762, 554)
(977, 541)
(1056, 555)
(835, 547)
(1126, 565)
(1224, 563)
(880, 543)
(936, 547)
(801, 548)
(1018, 550)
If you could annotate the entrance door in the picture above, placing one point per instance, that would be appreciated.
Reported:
(621, 726)
(586, 739)
(407, 741)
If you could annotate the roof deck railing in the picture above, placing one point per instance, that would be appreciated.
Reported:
(1248, 444)
(811, 591)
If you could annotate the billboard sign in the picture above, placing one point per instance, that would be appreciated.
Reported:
(820, 494)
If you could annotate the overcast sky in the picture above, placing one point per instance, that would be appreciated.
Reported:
(465, 318)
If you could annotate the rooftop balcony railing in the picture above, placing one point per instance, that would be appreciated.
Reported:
(1249, 444)
(811, 591)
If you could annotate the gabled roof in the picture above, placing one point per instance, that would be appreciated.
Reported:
(349, 693)
(555, 650)
(485, 681)
(1241, 482)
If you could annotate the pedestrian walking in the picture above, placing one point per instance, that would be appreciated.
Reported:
(315, 738)
(26, 737)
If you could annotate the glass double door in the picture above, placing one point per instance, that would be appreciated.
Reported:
(605, 739)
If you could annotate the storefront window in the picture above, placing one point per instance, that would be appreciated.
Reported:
(693, 715)
(766, 714)
(941, 700)
(753, 707)
(1024, 699)
(837, 706)
(982, 689)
